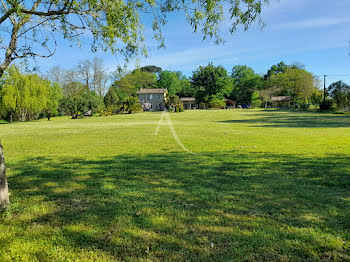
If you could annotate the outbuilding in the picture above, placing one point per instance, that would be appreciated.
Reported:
(281, 101)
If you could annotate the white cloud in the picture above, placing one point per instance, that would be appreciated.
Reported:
(312, 23)
(195, 56)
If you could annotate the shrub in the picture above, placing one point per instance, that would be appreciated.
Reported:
(304, 106)
(256, 102)
(326, 105)
(106, 111)
(170, 109)
(181, 109)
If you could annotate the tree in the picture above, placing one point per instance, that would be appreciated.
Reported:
(255, 99)
(340, 93)
(99, 79)
(4, 192)
(84, 73)
(111, 99)
(281, 67)
(131, 104)
(114, 25)
(135, 80)
(297, 83)
(74, 106)
(266, 94)
(54, 97)
(246, 81)
(74, 89)
(216, 102)
(171, 81)
(186, 89)
(151, 69)
(211, 80)
(56, 74)
(174, 101)
(24, 97)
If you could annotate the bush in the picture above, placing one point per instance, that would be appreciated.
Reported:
(106, 112)
(217, 103)
(326, 105)
(170, 109)
(304, 106)
(182, 109)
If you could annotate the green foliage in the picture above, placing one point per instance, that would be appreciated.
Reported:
(255, 101)
(108, 111)
(340, 93)
(130, 83)
(26, 96)
(297, 83)
(54, 97)
(216, 102)
(173, 101)
(151, 69)
(281, 67)
(75, 106)
(327, 104)
(186, 89)
(211, 80)
(111, 98)
(245, 82)
(131, 104)
(170, 80)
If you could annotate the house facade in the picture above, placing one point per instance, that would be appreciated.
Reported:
(152, 99)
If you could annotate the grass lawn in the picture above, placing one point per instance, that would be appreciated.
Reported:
(263, 186)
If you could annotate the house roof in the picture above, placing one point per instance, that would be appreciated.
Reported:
(152, 91)
(229, 101)
(281, 98)
(188, 99)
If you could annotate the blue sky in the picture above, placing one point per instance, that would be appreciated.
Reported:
(313, 32)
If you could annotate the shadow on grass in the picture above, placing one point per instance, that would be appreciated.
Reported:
(295, 119)
(173, 206)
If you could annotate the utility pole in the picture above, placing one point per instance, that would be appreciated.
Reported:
(324, 89)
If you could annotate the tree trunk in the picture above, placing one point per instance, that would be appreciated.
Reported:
(4, 193)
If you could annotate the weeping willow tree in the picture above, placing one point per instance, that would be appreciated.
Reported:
(29, 28)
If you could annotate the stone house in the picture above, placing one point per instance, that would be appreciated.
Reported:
(152, 99)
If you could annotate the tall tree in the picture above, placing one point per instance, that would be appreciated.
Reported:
(340, 92)
(297, 83)
(211, 80)
(84, 72)
(246, 81)
(114, 25)
(100, 78)
(170, 80)
(151, 69)
(4, 192)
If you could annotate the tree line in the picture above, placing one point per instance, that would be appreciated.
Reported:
(86, 89)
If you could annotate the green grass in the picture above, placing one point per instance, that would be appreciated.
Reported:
(264, 186)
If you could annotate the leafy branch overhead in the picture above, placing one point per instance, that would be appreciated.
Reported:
(29, 28)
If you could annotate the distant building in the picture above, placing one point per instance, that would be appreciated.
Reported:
(229, 103)
(152, 99)
(281, 101)
(189, 103)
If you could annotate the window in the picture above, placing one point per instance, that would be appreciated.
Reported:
(150, 96)
(159, 96)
